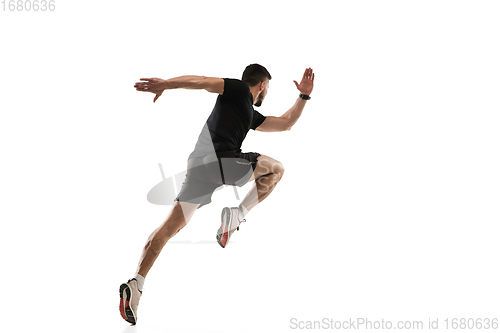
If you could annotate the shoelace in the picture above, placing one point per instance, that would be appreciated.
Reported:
(134, 279)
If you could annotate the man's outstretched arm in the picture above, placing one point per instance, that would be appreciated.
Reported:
(157, 86)
(289, 118)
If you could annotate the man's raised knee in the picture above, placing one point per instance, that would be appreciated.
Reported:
(279, 169)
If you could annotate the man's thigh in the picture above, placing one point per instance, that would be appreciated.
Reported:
(267, 165)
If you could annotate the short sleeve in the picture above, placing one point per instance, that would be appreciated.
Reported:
(257, 120)
(234, 88)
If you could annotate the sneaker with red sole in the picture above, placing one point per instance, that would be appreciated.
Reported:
(129, 300)
(229, 224)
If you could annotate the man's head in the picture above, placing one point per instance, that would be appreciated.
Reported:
(257, 77)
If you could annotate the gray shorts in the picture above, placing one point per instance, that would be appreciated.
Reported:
(207, 173)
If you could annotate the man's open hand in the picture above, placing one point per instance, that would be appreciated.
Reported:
(307, 83)
(153, 85)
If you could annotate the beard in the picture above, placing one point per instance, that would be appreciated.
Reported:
(260, 100)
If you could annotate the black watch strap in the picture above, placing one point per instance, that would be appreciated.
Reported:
(306, 97)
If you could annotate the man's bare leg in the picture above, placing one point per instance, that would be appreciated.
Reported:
(179, 216)
(267, 174)
(131, 291)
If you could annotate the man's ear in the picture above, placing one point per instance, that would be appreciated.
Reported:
(262, 85)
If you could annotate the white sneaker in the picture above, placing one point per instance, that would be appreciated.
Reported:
(229, 224)
(129, 300)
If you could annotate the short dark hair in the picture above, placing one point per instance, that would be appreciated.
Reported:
(255, 74)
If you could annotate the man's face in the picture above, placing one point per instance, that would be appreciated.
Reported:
(262, 94)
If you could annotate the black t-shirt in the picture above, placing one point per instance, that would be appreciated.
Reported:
(231, 119)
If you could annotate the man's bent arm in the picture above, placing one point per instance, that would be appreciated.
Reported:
(289, 118)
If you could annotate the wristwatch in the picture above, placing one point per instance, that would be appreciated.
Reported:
(306, 97)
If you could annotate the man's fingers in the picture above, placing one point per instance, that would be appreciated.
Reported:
(157, 96)
(308, 73)
(141, 84)
(296, 84)
(149, 85)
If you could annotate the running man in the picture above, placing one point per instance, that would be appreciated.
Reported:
(217, 160)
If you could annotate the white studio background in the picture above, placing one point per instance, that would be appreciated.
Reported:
(388, 208)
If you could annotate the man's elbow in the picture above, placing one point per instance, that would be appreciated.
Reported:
(288, 125)
(284, 124)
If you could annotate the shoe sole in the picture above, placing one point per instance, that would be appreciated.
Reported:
(125, 309)
(225, 212)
